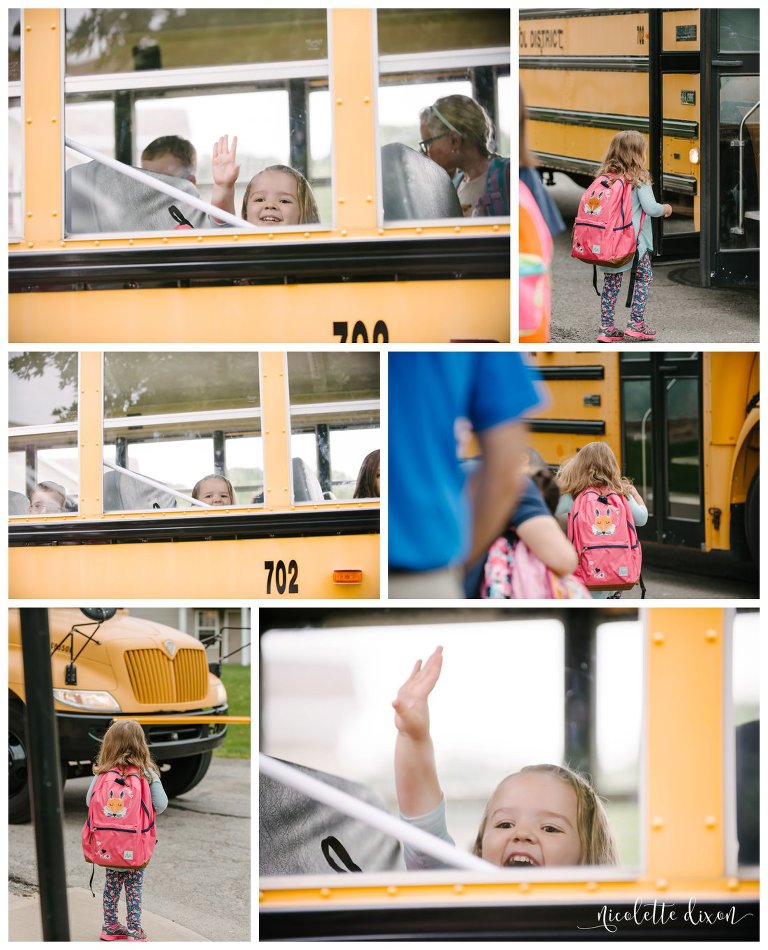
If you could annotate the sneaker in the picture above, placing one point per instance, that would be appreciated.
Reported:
(137, 935)
(610, 335)
(113, 932)
(640, 331)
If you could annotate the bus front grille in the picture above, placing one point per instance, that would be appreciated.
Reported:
(157, 678)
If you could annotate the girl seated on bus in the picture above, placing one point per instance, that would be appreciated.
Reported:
(278, 195)
(457, 134)
(541, 816)
(214, 490)
(47, 498)
(627, 157)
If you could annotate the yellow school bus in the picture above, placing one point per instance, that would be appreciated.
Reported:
(685, 427)
(335, 94)
(685, 813)
(105, 450)
(689, 81)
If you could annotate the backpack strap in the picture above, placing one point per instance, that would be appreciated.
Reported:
(594, 280)
(341, 853)
(90, 883)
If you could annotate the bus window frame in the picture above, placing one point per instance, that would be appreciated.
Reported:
(16, 91)
(188, 79)
(423, 65)
(19, 432)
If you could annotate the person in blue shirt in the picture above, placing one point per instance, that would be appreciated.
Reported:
(438, 518)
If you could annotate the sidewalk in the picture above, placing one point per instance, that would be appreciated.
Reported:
(681, 311)
(85, 920)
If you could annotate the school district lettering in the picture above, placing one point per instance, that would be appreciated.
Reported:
(541, 39)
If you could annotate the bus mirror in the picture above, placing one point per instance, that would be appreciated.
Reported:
(215, 667)
(100, 614)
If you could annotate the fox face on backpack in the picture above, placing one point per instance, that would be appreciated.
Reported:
(120, 831)
(602, 529)
(602, 230)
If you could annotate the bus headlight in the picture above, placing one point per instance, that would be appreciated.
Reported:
(693, 156)
(90, 699)
(221, 694)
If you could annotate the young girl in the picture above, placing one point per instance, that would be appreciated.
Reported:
(278, 195)
(595, 466)
(626, 157)
(542, 816)
(48, 498)
(214, 490)
(124, 746)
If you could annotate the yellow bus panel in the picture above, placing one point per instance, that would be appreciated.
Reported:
(599, 35)
(583, 90)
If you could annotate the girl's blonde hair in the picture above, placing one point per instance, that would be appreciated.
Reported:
(463, 115)
(308, 213)
(197, 489)
(598, 846)
(593, 466)
(626, 158)
(124, 745)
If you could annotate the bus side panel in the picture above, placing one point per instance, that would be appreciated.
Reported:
(395, 312)
(282, 568)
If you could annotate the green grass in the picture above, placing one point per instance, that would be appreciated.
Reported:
(237, 682)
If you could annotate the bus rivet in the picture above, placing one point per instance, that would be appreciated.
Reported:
(54, 214)
(662, 884)
(96, 243)
(53, 118)
(307, 234)
(200, 239)
(366, 99)
(525, 887)
(591, 885)
(419, 230)
(658, 638)
(732, 884)
(458, 888)
(381, 231)
(711, 636)
(710, 822)
(165, 240)
(657, 824)
(29, 121)
(29, 214)
(457, 229)
(29, 29)
(271, 237)
(343, 233)
(341, 201)
(495, 227)
(30, 243)
(325, 892)
(235, 237)
(130, 241)
(369, 198)
(53, 26)
(392, 890)
(339, 102)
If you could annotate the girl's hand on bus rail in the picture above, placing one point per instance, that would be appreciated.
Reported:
(411, 706)
(667, 210)
(224, 162)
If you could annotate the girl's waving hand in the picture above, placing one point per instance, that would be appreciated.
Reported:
(411, 705)
(224, 162)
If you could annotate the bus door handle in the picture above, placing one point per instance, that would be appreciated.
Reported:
(728, 62)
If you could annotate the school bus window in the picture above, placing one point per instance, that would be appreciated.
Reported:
(265, 70)
(745, 691)
(173, 419)
(619, 685)
(14, 45)
(15, 132)
(43, 462)
(334, 421)
(426, 56)
(739, 31)
(739, 163)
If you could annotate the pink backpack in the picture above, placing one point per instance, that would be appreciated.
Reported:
(602, 529)
(119, 831)
(513, 572)
(602, 231)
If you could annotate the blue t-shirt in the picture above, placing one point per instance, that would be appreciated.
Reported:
(429, 515)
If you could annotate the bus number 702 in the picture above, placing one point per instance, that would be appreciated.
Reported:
(281, 576)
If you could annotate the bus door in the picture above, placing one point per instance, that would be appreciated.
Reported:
(731, 146)
(674, 129)
(662, 442)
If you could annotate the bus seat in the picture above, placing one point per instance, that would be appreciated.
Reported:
(123, 493)
(101, 200)
(415, 187)
(306, 486)
(18, 504)
(292, 827)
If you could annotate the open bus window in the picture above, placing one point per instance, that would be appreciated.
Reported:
(136, 76)
(511, 693)
(15, 129)
(173, 419)
(745, 692)
(426, 55)
(43, 459)
(334, 422)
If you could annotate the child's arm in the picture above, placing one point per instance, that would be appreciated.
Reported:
(544, 537)
(156, 790)
(650, 205)
(225, 172)
(637, 507)
(90, 790)
(418, 788)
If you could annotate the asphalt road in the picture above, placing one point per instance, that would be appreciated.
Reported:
(664, 584)
(681, 312)
(200, 872)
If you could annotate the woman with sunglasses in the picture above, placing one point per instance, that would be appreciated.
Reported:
(457, 133)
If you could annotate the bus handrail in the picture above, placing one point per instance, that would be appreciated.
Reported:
(739, 144)
(155, 484)
(157, 185)
(370, 815)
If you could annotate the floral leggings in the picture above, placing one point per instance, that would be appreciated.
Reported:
(132, 880)
(612, 286)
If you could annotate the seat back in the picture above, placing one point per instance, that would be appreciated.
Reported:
(415, 187)
(18, 504)
(306, 486)
(101, 200)
(123, 493)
